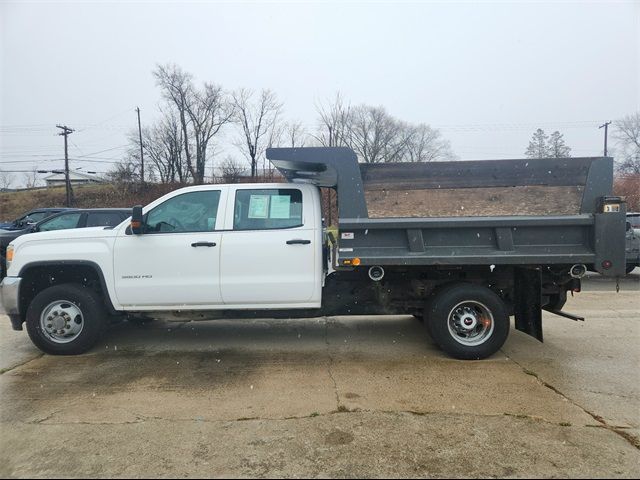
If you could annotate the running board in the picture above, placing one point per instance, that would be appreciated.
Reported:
(566, 315)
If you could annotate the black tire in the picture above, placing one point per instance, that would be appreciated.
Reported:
(442, 305)
(630, 268)
(84, 299)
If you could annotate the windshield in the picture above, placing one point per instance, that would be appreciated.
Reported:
(33, 217)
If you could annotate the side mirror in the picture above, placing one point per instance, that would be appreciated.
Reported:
(136, 220)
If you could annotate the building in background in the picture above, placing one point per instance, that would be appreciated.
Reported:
(76, 178)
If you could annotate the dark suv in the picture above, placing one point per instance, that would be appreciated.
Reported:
(69, 218)
(31, 218)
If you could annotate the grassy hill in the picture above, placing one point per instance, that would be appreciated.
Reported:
(12, 204)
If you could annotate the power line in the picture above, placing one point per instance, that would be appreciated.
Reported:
(107, 150)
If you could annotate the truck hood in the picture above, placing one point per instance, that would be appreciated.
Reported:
(65, 235)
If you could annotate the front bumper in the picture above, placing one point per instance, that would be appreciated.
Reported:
(10, 299)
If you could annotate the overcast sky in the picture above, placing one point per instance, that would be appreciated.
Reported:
(486, 74)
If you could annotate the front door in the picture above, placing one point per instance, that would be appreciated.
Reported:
(269, 256)
(176, 261)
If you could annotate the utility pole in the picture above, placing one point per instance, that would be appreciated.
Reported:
(141, 153)
(329, 212)
(606, 131)
(65, 133)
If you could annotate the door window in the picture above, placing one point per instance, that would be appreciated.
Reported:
(264, 209)
(63, 222)
(104, 219)
(189, 212)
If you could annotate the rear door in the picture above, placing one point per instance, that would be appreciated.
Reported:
(270, 248)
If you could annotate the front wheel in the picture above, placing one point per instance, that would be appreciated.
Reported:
(469, 322)
(66, 319)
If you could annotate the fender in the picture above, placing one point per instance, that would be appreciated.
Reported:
(71, 263)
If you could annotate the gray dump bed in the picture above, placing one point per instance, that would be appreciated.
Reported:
(500, 212)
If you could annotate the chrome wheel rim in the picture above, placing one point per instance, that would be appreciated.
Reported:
(470, 323)
(61, 321)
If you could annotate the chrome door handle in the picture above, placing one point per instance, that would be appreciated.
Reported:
(203, 244)
(298, 242)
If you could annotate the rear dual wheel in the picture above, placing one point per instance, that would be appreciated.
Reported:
(469, 322)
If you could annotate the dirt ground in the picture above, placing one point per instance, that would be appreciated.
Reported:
(329, 397)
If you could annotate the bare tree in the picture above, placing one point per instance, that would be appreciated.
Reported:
(295, 134)
(208, 112)
(31, 178)
(256, 120)
(164, 146)
(177, 88)
(375, 135)
(125, 172)
(627, 136)
(334, 123)
(231, 170)
(6, 179)
(425, 144)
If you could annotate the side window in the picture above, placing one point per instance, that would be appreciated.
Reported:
(103, 219)
(267, 209)
(189, 212)
(63, 222)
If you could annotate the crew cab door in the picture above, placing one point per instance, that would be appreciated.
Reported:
(175, 263)
(271, 248)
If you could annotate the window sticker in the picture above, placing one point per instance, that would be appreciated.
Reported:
(280, 206)
(258, 206)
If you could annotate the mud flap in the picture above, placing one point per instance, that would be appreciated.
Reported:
(528, 308)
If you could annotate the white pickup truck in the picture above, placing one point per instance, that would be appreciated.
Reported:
(261, 249)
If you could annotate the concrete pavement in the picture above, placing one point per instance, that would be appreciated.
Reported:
(339, 397)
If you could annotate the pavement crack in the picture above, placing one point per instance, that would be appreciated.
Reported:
(6, 370)
(632, 439)
(142, 418)
(339, 407)
(44, 419)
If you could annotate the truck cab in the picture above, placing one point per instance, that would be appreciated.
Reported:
(230, 246)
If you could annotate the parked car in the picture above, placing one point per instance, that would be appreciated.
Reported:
(69, 218)
(634, 219)
(633, 241)
(31, 218)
